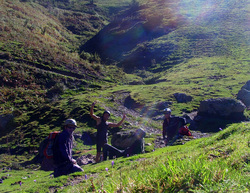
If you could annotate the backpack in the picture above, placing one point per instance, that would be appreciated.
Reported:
(185, 131)
(50, 141)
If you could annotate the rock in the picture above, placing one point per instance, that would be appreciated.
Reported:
(130, 103)
(123, 140)
(182, 97)
(244, 94)
(222, 107)
(162, 105)
(5, 120)
(85, 159)
(5, 56)
(214, 114)
(88, 138)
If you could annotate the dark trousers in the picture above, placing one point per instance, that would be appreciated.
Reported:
(66, 169)
(111, 151)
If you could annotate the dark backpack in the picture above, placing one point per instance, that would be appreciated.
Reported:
(50, 141)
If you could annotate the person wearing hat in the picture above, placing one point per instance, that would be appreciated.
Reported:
(102, 126)
(171, 126)
(62, 150)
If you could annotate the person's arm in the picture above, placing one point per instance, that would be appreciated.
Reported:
(92, 112)
(117, 124)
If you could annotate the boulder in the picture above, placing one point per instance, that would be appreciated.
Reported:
(5, 56)
(222, 107)
(123, 140)
(182, 97)
(244, 94)
(216, 114)
(88, 138)
(130, 103)
(6, 123)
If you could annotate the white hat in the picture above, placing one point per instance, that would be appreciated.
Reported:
(167, 110)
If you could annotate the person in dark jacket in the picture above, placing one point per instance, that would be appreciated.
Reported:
(102, 126)
(171, 126)
(62, 151)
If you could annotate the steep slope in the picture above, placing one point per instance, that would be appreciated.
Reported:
(160, 34)
(31, 34)
(39, 53)
(40, 62)
(41, 66)
(44, 80)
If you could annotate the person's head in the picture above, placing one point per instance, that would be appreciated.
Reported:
(106, 115)
(167, 112)
(70, 125)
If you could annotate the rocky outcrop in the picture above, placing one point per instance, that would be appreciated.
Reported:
(244, 94)
(130, 103)
(215, 114)
(222, 107)
(182, 97)
(123, 140)
(6, 123)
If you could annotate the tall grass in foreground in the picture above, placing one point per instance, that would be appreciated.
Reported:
(216, 164)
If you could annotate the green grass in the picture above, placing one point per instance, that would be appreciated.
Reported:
(41, 100)
(215, 164)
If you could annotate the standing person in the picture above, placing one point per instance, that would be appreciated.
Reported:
(171, 126)
(62, 151)
(102, 129)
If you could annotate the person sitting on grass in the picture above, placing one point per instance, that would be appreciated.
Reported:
(62, 151)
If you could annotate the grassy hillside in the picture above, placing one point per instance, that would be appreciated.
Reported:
(45, 79)
(216, 164)
(40, 61)
(200, 48)
(159, 34)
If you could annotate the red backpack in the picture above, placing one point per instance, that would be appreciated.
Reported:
(185, 131)
(48, 150)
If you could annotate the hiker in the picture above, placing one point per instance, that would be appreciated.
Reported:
(136, 148)
(102, 129)
(171, 126)
(62, 151)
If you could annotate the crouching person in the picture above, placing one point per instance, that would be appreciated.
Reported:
(171, 126)
(62, 151)
(137, 147)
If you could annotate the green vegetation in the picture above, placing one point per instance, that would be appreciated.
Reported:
(215, 164)
(152, 49)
